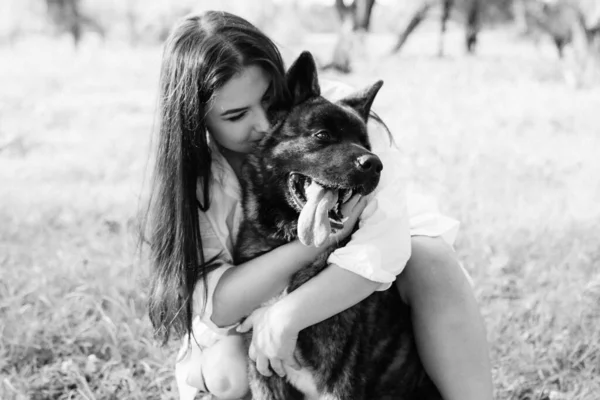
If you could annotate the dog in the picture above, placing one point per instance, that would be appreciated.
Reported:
(368, 350)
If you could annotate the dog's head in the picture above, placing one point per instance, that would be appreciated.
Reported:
(316, 157)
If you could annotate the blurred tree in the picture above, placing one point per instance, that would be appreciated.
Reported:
(568, 26)
(472, 23)
(355, 21)
(415, 21)
(563, 21)
(359, 11)
(66, 15)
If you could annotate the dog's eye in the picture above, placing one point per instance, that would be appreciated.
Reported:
(322, 135)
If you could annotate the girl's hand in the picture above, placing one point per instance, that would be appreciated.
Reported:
(273, 344)
(352, 209)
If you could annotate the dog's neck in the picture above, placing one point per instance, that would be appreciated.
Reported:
(268, 210)
(277, 222)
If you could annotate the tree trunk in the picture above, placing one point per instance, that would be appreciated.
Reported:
(446, 8)
(355, 20)
(473, 25)
(66, 15)
(416, 19)
(362, 14)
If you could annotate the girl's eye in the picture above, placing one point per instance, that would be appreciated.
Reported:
(237, 117)
(322, 135)
(268, 96)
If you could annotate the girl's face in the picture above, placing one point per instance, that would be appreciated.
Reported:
(238, 116)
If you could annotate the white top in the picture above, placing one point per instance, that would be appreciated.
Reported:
(378, 250)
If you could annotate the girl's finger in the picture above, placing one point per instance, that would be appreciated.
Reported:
(252, 352)
(350, 204)
(262, 365)
(360, 205)
(354, 206)
(277, 366)
(293, 362)
(246, 325)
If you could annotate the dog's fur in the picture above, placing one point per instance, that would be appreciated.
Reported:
(367, 351)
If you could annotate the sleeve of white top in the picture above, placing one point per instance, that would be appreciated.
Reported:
(380, 248)
(426, 220)
(204, 291)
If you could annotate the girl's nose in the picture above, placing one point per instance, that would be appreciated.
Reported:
(262, 122)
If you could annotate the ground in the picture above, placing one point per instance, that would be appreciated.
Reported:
(507, 147)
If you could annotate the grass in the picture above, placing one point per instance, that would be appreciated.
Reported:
(506, 146)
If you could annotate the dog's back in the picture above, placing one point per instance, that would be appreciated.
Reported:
(370, 345)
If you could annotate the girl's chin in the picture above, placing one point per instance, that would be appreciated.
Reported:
(236, 150)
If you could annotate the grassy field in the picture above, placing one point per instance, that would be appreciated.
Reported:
(508, 148)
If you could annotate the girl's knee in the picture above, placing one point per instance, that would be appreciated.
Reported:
(225, 369)
(431, 252)
(433, 270)
(227, 384)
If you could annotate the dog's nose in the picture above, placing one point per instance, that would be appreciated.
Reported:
(369, 163)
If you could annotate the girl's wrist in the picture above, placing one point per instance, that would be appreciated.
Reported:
(286, 317)
(312, 252)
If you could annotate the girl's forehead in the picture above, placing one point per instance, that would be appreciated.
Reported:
(243, 89)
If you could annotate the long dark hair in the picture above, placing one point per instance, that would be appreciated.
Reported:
(200, 55)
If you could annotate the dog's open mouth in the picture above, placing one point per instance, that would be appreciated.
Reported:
(319, 206)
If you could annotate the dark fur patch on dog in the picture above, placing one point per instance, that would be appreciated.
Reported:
(366, 351)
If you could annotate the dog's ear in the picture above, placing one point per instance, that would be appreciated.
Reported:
(302, 80)
(363, 100)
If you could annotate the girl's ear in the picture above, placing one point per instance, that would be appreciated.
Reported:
(302, 80)
(363, 100)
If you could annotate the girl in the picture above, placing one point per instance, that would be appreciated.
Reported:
(220, 75)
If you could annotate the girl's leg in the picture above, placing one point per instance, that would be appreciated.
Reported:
(222, 369)
(449, 329)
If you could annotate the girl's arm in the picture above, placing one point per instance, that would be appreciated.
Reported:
(332, 291)
(245, 287)
(276, 327)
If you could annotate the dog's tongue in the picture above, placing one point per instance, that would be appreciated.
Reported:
(313, 223)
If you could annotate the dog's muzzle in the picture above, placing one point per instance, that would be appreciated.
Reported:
(297, 185)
